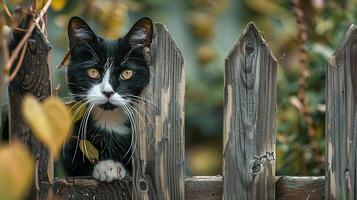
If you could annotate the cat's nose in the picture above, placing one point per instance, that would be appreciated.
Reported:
(108, 94)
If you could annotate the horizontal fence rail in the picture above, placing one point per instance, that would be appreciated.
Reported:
(196, 188)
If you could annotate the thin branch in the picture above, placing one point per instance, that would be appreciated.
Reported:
(24, 40)
(19, 63)
(5, 57)
(304, 72)
(57, 89)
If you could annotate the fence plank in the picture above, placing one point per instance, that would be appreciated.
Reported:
(159, 153)
(32, 78)
(341, 120)
(249, 118)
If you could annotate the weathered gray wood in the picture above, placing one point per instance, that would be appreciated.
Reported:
(87, 188)
(341, 120)
(196, 188)
(300, 188)
(159, 150)
(249, 118)
(203, 187)
(32, 78)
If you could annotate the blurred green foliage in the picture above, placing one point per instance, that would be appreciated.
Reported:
(326, 23)
(205, 30)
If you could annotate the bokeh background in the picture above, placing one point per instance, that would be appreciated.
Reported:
(205, 30)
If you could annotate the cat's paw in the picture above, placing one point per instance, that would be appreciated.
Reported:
(108, 171)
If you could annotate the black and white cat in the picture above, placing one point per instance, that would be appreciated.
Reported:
(107, 76)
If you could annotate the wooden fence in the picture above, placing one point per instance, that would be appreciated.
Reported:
(249, 129)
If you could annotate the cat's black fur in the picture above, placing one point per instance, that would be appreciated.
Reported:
(89, 50)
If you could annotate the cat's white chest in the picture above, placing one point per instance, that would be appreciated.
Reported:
(110, 120)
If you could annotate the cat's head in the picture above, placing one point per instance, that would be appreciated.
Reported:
(108, 73)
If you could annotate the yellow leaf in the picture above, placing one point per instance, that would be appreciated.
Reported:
(58, 5)
(50, 121)
(89, 150)
(77, 110)
(16, 171)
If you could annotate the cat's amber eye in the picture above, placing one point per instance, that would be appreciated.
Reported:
(126, 74)
(93, 73)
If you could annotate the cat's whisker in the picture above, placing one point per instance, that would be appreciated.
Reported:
(131, 108)
(138, 108)
(65, 98)
(131, 126)
(132, 123)
(79, 108)
(79, 135)
(75, 104)
(78, 95)
(85, 127)
(121, 143)
(141, 117)
(134, 135)
(72, 118)
(141, 98)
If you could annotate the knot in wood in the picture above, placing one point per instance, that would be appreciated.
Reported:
(32, 45)
(143, 185)
(249, 48)
(256, 165)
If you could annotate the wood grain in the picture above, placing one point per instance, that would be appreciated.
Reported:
(249, 118)
(33, 78)
(159, 153)
(196, 188)
(85, 188)
(341, 120)
(203, 187)
(300, 188)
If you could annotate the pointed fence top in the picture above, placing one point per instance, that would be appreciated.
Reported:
(348, 41)
(250, 35)
(161, 28)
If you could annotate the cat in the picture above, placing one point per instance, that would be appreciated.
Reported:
(106, 76)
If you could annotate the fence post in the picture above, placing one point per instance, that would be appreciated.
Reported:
(159, 150)
(341, 120)
(32, 78)
(249, 119)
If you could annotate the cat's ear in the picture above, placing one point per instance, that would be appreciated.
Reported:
(140, 33)
(79, 30)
